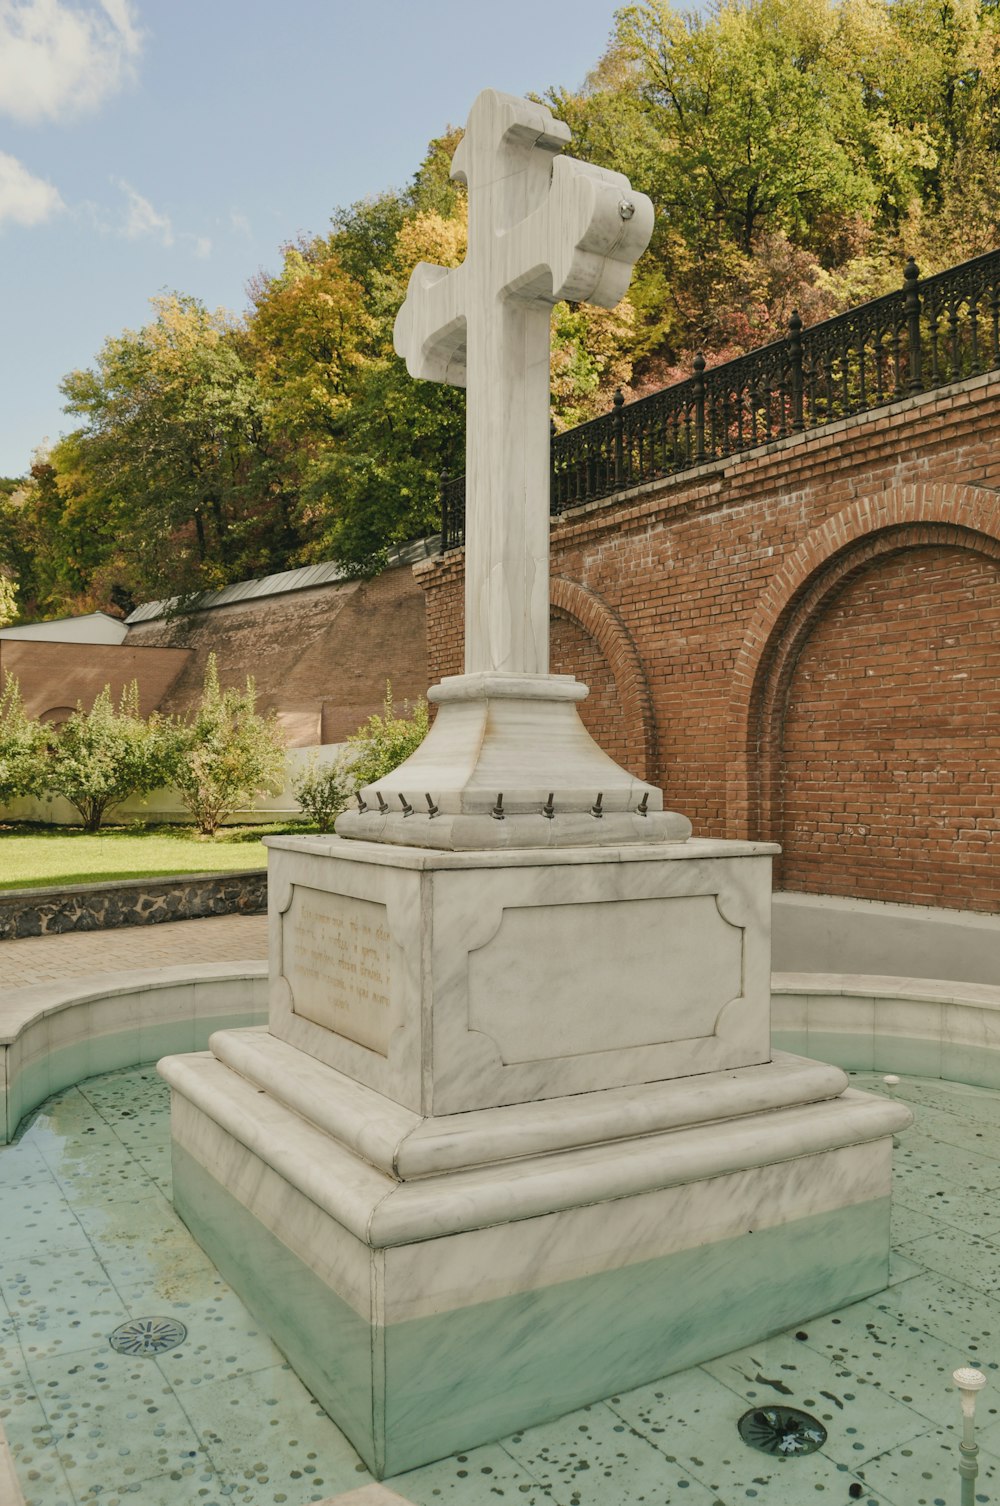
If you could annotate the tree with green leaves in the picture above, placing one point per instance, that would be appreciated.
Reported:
(756, 123)
(8, 600)
(167, 462)
(375, 480)
(796, 152)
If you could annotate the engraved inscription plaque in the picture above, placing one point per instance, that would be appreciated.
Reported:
(336, 960)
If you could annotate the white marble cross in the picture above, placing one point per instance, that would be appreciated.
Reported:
(542, 227)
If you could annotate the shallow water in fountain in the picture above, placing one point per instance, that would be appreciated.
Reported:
(89, 1240)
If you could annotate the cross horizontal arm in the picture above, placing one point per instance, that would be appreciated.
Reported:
(430, 328)
(582, 241)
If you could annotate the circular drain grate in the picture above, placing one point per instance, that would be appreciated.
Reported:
(781, 1430)
(148, 1336)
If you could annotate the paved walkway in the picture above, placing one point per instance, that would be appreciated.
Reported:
(218, 938)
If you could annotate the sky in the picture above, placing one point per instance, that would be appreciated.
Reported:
(159, 145)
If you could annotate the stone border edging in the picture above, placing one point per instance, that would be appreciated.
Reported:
(867, 1022)
(10, 1490)
(53, 1035)
(52, 911)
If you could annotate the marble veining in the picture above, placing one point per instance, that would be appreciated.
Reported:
(542, 227)
(381, 1211)
(402, 1143)
(468, 1033)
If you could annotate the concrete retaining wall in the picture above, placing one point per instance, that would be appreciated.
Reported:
(818, 933)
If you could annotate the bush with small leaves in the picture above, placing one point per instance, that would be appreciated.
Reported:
(226, 754)
(24, 745)
(322, 790)
(384, 741)
(102, 756)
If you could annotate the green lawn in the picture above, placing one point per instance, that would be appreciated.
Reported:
(35, 857)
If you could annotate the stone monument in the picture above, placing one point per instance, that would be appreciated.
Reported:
(514, 1137)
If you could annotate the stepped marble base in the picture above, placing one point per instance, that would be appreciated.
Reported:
(440, 1283)
(514, 1139)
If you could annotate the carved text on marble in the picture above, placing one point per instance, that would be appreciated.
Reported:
(336, 952)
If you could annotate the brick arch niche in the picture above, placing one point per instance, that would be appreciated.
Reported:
(588, 640)
(873, 726)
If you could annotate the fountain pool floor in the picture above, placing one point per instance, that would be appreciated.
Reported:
(89, 1240)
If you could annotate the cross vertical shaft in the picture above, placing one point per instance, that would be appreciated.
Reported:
(542, 227)
(507, 494)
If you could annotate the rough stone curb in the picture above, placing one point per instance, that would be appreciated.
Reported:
(130, 902)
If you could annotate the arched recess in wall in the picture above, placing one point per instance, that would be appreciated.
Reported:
(907, 559)
(598, 622)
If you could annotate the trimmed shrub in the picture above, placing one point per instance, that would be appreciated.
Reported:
(227, 754)
(385, 740)
(102, 756)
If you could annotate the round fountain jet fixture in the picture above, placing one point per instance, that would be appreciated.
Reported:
(781, 1430)
(147, 1337)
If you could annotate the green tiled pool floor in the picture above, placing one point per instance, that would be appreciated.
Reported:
(88, 1239)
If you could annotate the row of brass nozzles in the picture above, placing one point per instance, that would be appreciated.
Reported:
(497, 811)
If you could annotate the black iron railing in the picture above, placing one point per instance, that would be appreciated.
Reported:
(928, 333)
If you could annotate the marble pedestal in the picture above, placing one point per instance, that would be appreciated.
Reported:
(515, 1138)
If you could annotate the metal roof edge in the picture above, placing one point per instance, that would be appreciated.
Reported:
(327, 572)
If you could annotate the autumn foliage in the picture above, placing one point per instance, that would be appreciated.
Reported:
(796, 152)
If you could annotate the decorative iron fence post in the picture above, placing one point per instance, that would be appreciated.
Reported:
(699, 408)
(445, 520)
(911, 277)
(618, 424)
(795, 367)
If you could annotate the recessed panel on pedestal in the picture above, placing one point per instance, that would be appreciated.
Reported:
(684, 965)
(570, 976)
(337, 962)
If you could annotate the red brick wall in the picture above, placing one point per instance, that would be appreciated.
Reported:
(891, 745)
(574, 652)
(320, 657)
(707, 591)
(57, 676)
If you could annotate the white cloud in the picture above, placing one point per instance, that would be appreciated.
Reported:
(139, 219)
(25, 199)
(142, 219)
(58, 59)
